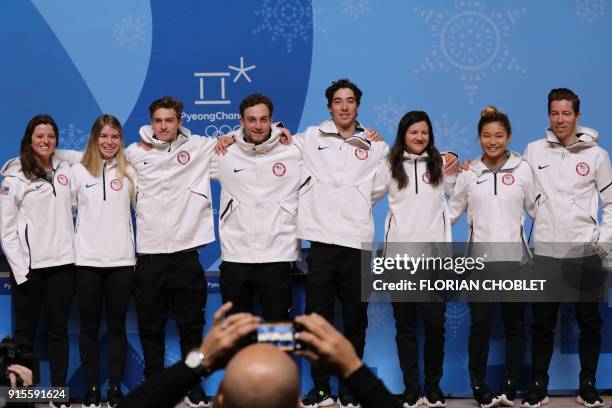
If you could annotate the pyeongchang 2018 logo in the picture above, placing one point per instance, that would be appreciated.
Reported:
(212, 91)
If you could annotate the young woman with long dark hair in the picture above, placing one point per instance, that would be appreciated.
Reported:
(37, 231)
(418, 213)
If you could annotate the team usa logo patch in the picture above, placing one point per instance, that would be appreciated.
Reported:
(425, 178)
(508, 179)
(4, 190)
(279, 169)
(62, 179)
(361, 154)
(183, 157)
(116, 184)
(582, 169)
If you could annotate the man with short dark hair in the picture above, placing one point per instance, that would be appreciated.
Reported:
(259, 179)
(572, 173)
(335, 213)
(173, 218)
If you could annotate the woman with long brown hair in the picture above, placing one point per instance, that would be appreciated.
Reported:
(37, 231)
(418, 214)
(103, 188)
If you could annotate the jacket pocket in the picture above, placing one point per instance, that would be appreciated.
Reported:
(583, 203)
(289, 206)
(227, 207)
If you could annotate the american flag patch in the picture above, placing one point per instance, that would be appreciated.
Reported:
(4, 190)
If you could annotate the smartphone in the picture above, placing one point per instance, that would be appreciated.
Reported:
(280, 334)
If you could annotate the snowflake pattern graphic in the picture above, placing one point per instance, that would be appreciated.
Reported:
(73, 138)
(590, 10)
(129, 32)
(456, 315)
(388, 114)
(452, 136)
(471, 41)
(356, 8)
(289, 20)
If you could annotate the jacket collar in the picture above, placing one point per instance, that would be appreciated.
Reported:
(585, 137)
(514, 159)
(358, 139)
(263, 147)
(415, 157)
(148, 136)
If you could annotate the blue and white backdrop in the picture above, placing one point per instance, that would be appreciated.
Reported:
(76, 60)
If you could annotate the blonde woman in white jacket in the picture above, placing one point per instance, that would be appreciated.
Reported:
(418, 213)
(103, 188)
(37, 233)
(495, 191)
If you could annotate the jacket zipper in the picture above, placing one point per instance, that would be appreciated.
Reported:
(305, 182)
(28, 245)
(469, 246)
(104, 181)
(387, 236)
(416, 179)
(495, 183)
(444, 223)
(227, 207)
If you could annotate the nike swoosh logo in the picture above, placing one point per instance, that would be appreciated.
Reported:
(323, 148)
(39, 186)
(146, 162)
(237, 170)
(543, 167)
(90, 185)
(480, 182)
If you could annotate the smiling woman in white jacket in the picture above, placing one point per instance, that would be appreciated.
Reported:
(418, 214)
(102, 189)
(37, 232)
(495, 191)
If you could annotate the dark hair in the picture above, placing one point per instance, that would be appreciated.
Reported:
(30, 166)
(560, 94)
(396, 155)
(339, 84)
(490, 114)
(167, 102)
(253, 100)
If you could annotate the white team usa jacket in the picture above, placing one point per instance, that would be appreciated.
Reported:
(36, 227)
(104, 236)
(569, 181)
(173, 205)
(259, 201)
(495, 204)
(418, 212)
(340, 177)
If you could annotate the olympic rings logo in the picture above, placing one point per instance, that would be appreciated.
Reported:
(215, 131)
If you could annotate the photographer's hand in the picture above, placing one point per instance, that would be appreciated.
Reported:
(329, 349)
(220, 343)
(24, 373)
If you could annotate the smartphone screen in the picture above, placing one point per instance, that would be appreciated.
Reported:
(279, 334)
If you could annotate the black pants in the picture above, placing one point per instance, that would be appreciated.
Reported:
(271, 281)
(407, 345)
(52, 288)
(545, 320)
(169, 285)
(336, 271)
(96, 286)
(480, 332)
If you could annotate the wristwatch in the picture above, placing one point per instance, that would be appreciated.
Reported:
(195, 361)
